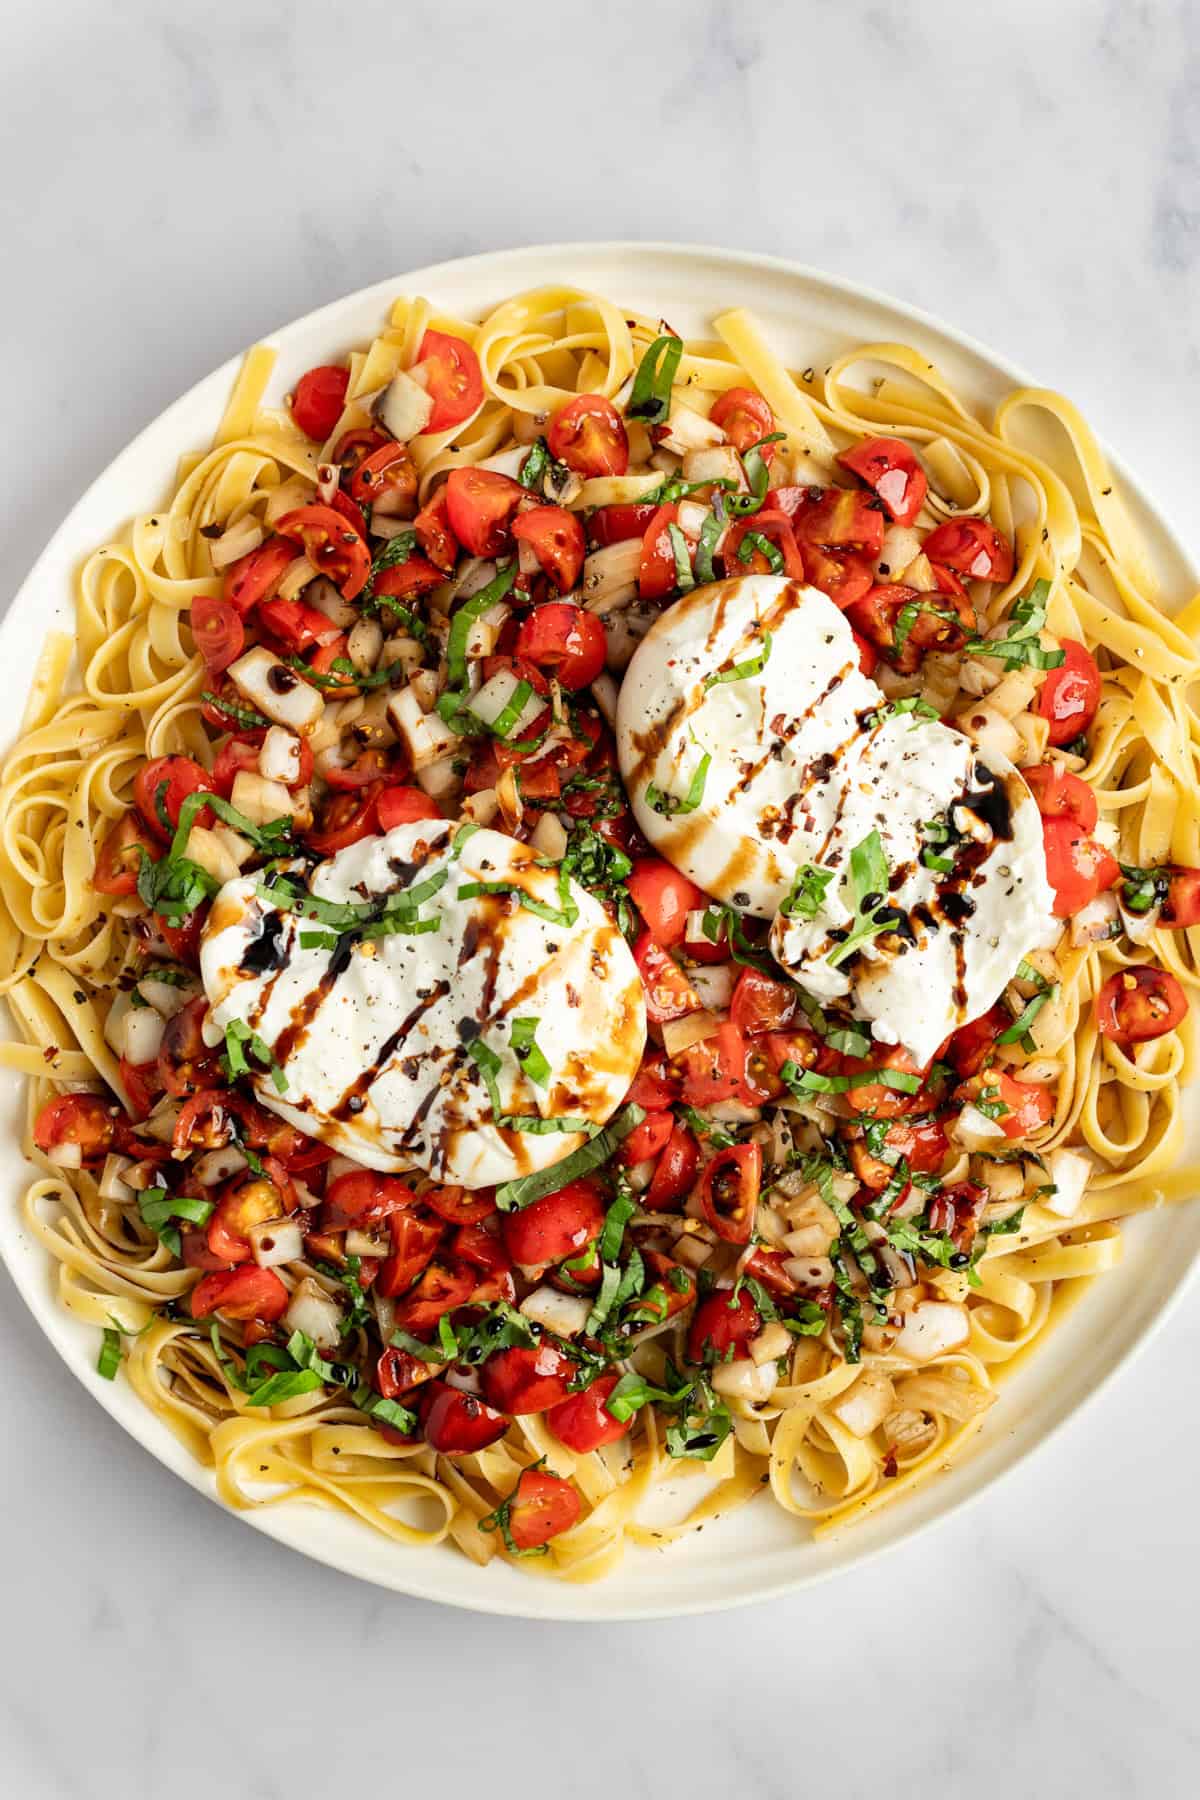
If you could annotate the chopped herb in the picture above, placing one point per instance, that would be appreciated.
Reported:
(684, 579)
(807, 894)
(534, 1066)
(1021, 645)
(705, 1127)
(245, 716)
(109, 1360)
(869, 882)
(710, 532)
(238, 1040)
(513, 1195)
(667, 805)
(753, 665)
(753, 542)
(650, 398)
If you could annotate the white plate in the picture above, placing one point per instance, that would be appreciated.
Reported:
(758, 1551)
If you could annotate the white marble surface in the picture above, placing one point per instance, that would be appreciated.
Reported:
(182, 177)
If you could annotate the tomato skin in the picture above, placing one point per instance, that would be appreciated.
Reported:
(868, 656)
(217, 631)
(646, 1139)
(243, 1293)
(332, 546)
(714, 1069)
(119, 858)
(246, 1201)
(475, 1245)
(971, 547)
(432, 526)
(655, 1085)
(414, 1240)
(556, 538)
(669, 993)
(461, 1206)
(971, 1045)
(386, 473)
(846, 579)
(657, 574)
(1029, 1107)
(526, 1380)
(838, 519)
(1181, 909)
(541, 1507)
(480, 504)
(721, 1324)
(760, 1003)
(745, 418)
(566, 640)
(1070, 694)
(294, 624)
(404, 806)
(397, 1372)
(776, 527)
(254, 575)
(582, 1421)
(876, 1097)
(589, 436)
(185, 1063)
(453, 379)
(1061, 795)
(1137, 1004)
(877, 614)
(617, 524)
(676, 1170)
(409, 579)
(363, 1197)
(83, 1119)
(183, 940)
(1077, 868)
(182, 777)
(319, 399)
(440, 1289)
(890, 467)
(346, 819)
(206, 1122)
(457, 1424)
(554, 1227)
(664, 897)
(729, 1191)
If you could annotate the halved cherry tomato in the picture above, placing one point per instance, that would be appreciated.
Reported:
(250, 1200)
(541, 1507)
(589, 436)
(617, 524)
(179, 776)
(185, 1063)
(1077, 867)
(697, 944)
(332, 546)
(934, 622)
(319, 399)
(1061, 795)
(217, 631)
(353, 447)
(403, 806)
(657, 574)
(675, 1171)
(655, 1085)
(1028, 1108)
(453, 379)
(458, 1206)
(582, 1421)
(206, 1122)
(875, 1096)
(922, 1144)
(971, 547)
(242, 752)
(397, 1372)
(255, 575)
(745, 418)
(760, 1003)
(295, 624)
(555, 1226)
(457, 1424)
(1181, 909)
(669, 993)
(140, 1081)
(385, 478)
(868, 656)
(527, 1380)
(646, 1139)
(889, 466)
(183, 939)
(362, 1197)
(729, 1191)
(673, 1286)
(845, 579)
(432, 526)
(480, 504)
(334, 684)
(564, 639)
(768, 1267)
(439, 1290)
(1140, 1003)
(345, 819)
(838, 519)
(722, 1323)
(664, 897)
(971, 1045)
(369, 766)
(475, 1244)
(556, 538)
(1071, 693)
(83, 1119)
(120, 856)
(244, 1293)
(802, 1047)
(414, 1240)
(715, 1068)
(742, 559)
(958, 1210)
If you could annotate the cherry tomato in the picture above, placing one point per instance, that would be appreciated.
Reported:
(760, 1003)
(1071, 693)
(646, 1139)
(253, 576)
(458, 1206)
(397, 1373)
(353, 447)
(923, 1145)
(361, 1197)
(722, 1324)
(589, 436)
(453, 379)
(675, 1171)
(617, 524)
(217, 631)
(140, 1081)
(657, 574)
(664, 898)
(527, 1380)
(655, 1085)
(564, 639)
(83, 1119)
(845, 579)
(541, 1507)
(890, 467)
(1029, 1108)
(120, 856)
(745, 418)
(582, 1421)
(1181, 908)
(457, 1424)
(957, 1210)
(183, 940)
(729, 1191)
(715, 1068)
(185, 1063)
(971, 1045)
(332, 546)
(206, 1122)
(875, 1096)
(294, 624)
(346, 818)
(776, 528)
(838, 519)
(474, 1244)
(404, 806)
(697, 944)
(319, 399)
(179, 776)
(241, 753)
(673, 1286)
(1076, 866)
(432, 526)
(767, 1267)
(971, 547)
(669, 993)
(386, 478)
(933, 623)
(438, 1291)
(555, 1226)
(556, 539)
(480, 504)
(250, 1200)
(1140, 1003)
(414, 1240)
(368, 767)
(1061, 795)
(868, 657)
(244, 1293)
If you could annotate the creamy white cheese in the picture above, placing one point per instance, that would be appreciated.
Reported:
(797, 760)
(374, 1037)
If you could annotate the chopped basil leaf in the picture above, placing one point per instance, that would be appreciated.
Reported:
(753, 665)
(650, 398)
(869, 880)
(710, 532)
(807, 894)
(667, 805)
(523, 1038)
(684, 579)
(755, 541)
(513, 1195)
(1021, 645)
(109, 1360)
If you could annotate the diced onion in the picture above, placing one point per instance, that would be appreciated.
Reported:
(367, 1243)
(610, 575)
(714, 982)
(312, 1311)
(745, 1380)
(1094, 922)
(216, 1166)
(772, 1342)
(680, 1034)
(932, 1328)
(276, 1241)
(64, 1156)
(564, 1314)
(1070, 1172)
(144, 1029)
(810, 1271)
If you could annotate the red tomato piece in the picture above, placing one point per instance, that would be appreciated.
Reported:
(527, 1380)
(205, 1123)
(715, 1068)
(177, 776)
(564, 639)
(1061, 795)
(722, 1324)
(589, 436)
(875, 1096)
(1028, 1108)
(646, 1139)
(386, 478)
(432, 528)
(480, 504)
(119, 858)
(243, 1293)
(617, 524)
(655, 1085)
(140, 1081)
(475, 1245)
(353, 447)
(664, 898)
(439, 1290)
(1070, 694)
(1140, 1003)
(868, 656)
(82, 1119)
(729, 1191)
(217, 631)
(541, 1507)
(1076, 866)
(554, 1227)
(583, 1422)
(319, 399)
(675, 1173)
(669, 993)
(255, 575)
(408, 579)
(935, 622)
(741, 558)
(760, 1003)
(186, 1065)
(556, 538)
(362, 1197)
(403, 806)
(331, 544)
(183, 940)
(657, 575)
(890, 467)
(458, 1206)
(397, 1373)
(452, 378)
(1181, 909)
(745, 418)
(971, 1045)
(457, 1424)
(345, 819)
(971, 547)
(295, 624)
(250, 1200)
(845, 579)
(369, 767)
(838, 519)
(414, 1240)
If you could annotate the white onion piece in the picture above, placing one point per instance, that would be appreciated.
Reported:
(164, 996)
(163, 1120)
(279, 756)
(772, 1342)
(744, 1379)
(564, 1314)
(329, 479)
(1070, 1172)
(366, 1243)
(312, 1311)
(932, 1328)
(216, 1166)
(276, 1241)
(714, 982)
(143, 1034)
(604, 693)
(64, 1156)
(693, 1028)
(610, 575)
(465, 1380)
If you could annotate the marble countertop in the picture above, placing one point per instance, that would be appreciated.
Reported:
(182, 178)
